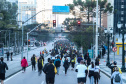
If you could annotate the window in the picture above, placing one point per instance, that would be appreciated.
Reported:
(121, 18)
(122, 6)
(122, 12)
(122, 0)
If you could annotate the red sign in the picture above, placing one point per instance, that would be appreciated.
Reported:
(114, 49)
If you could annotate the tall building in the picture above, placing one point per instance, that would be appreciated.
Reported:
(26, 9)
(120, 13)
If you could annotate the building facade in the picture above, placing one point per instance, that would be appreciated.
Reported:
(120, 13)
(26, 9)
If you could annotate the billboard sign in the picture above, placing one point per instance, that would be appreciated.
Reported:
(60, 9)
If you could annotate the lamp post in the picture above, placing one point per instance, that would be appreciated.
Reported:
(108, 34)
(27, 37)
(23, 29)
(96, 43)
(122, 31)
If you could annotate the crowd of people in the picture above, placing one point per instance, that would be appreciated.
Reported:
(63, 54)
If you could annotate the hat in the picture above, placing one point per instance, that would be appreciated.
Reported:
(115, 63)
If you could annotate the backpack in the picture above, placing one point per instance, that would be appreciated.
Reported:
(117, 78)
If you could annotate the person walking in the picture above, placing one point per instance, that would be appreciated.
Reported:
(11, 56)
(3, 68)
(7, 53)
(91, 72)
(97, 61)
(86, 55)
(40, 65)
(116, 76)
(81, 73)
(88, 60)
(57, 63)
(24, 64)
(44, 68)
(96, 73)
(50, 73)
(79, 59)
(112, 67)
(73, 62)
(66, 65)
(33, 62)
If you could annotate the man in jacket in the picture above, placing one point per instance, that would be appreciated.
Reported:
(3, 66)
(112, 67)
(33, 62)
(50, 73)
(57, 63)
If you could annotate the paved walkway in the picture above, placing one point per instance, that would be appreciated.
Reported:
(107, 70)
(15, 65)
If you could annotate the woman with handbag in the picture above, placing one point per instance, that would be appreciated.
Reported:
(91, 72)
(96, 73)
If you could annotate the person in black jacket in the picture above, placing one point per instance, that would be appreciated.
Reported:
(66, 65)
(88, 60)
(86, 55)
(3, 66)
(97, 61)
(44, 69)
(40, 66)
(50, 73)
(7, 55)
(112, 67)
(33, 62)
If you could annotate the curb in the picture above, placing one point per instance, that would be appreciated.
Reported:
(107, 74)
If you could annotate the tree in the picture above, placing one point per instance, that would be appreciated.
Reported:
(9, 12)
(89, 7)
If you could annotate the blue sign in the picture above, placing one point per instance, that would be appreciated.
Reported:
(61, 9)
(90, 53)
(1, 52)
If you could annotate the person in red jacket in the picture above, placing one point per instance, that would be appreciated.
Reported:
(24, 64)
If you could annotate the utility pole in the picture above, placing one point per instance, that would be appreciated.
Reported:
(15, 44)
(9, 41)
(5, 38)
(96, 45)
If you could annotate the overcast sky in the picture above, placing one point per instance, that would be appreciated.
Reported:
(61, 17)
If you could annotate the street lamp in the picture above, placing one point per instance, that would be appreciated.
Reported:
(108, 34)
(123, 31)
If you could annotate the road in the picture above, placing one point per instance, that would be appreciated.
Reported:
(31, 77)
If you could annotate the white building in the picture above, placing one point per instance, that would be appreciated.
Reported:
(26, 9)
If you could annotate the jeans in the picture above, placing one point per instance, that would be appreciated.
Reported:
(91, 80)
(58, 70)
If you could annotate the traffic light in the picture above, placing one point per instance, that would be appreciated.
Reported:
(78, 23)
(54, 23)
(28, 42)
